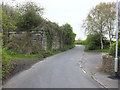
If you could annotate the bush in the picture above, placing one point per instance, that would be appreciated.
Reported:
(6, 63)
(106, 43)
(93, 42)
(29, 16)
(83, 42)
(47, 53)
(113, 48)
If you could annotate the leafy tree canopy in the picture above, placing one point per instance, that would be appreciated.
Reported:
(29, 16)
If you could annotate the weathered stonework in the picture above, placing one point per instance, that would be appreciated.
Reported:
(108, 64)
(56, 42)
(40, 38)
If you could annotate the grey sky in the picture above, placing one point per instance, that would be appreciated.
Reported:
(67, 11)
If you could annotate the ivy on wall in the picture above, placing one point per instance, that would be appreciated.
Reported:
(29, 19)
(50, 37)
(64, 33)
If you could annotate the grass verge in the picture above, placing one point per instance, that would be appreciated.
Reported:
(15, 54)
(43, 55)
(99, 50)
(7, 59)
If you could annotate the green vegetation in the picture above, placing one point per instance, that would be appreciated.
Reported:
(113, 48)
(43, 55)
(98, 24)
(100, 20)
(68, 35)
(96, 50)
(83, 42)
(92, 43)
(27, 18)
(6, 63)
(99, 50)
(7, 58)
(50, 33)
(50, 37)
(15, 54)
(24, 45)
(7, 26)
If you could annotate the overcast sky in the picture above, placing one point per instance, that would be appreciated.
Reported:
(67, 11)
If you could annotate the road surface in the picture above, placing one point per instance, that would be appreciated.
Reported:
(62, 70)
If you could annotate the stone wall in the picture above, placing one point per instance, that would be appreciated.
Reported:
(40, 37)
(56, 42)
(108, 64)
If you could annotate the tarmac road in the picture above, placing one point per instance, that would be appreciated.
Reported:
(62, 70)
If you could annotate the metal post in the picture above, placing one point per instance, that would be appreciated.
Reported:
(116, 54)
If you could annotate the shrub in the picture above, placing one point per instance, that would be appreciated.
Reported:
(6, 63)
(29, 16)
(106, 43)
(47, 53)
(83, 42)
(113, 48)
(24, 45)
(93, 42)
(68, 36)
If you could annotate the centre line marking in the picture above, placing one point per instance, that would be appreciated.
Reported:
(84, 71)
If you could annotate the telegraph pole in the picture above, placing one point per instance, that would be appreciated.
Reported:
(116, 54)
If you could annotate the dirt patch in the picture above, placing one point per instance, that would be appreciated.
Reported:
(20, 65)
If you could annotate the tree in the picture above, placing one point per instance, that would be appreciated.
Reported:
(7, 25)
(29, 16)
(68, 35)
(8, 21)
(9, 10)
(100, 20)
(93, 41)
(110, 20)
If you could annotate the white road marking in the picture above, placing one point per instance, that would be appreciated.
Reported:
(83, 70)
(80, 66)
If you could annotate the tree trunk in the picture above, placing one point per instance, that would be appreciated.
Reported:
(101, 38)
(110, 42)
(101, 41)
(110, 38)
(110, 35)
